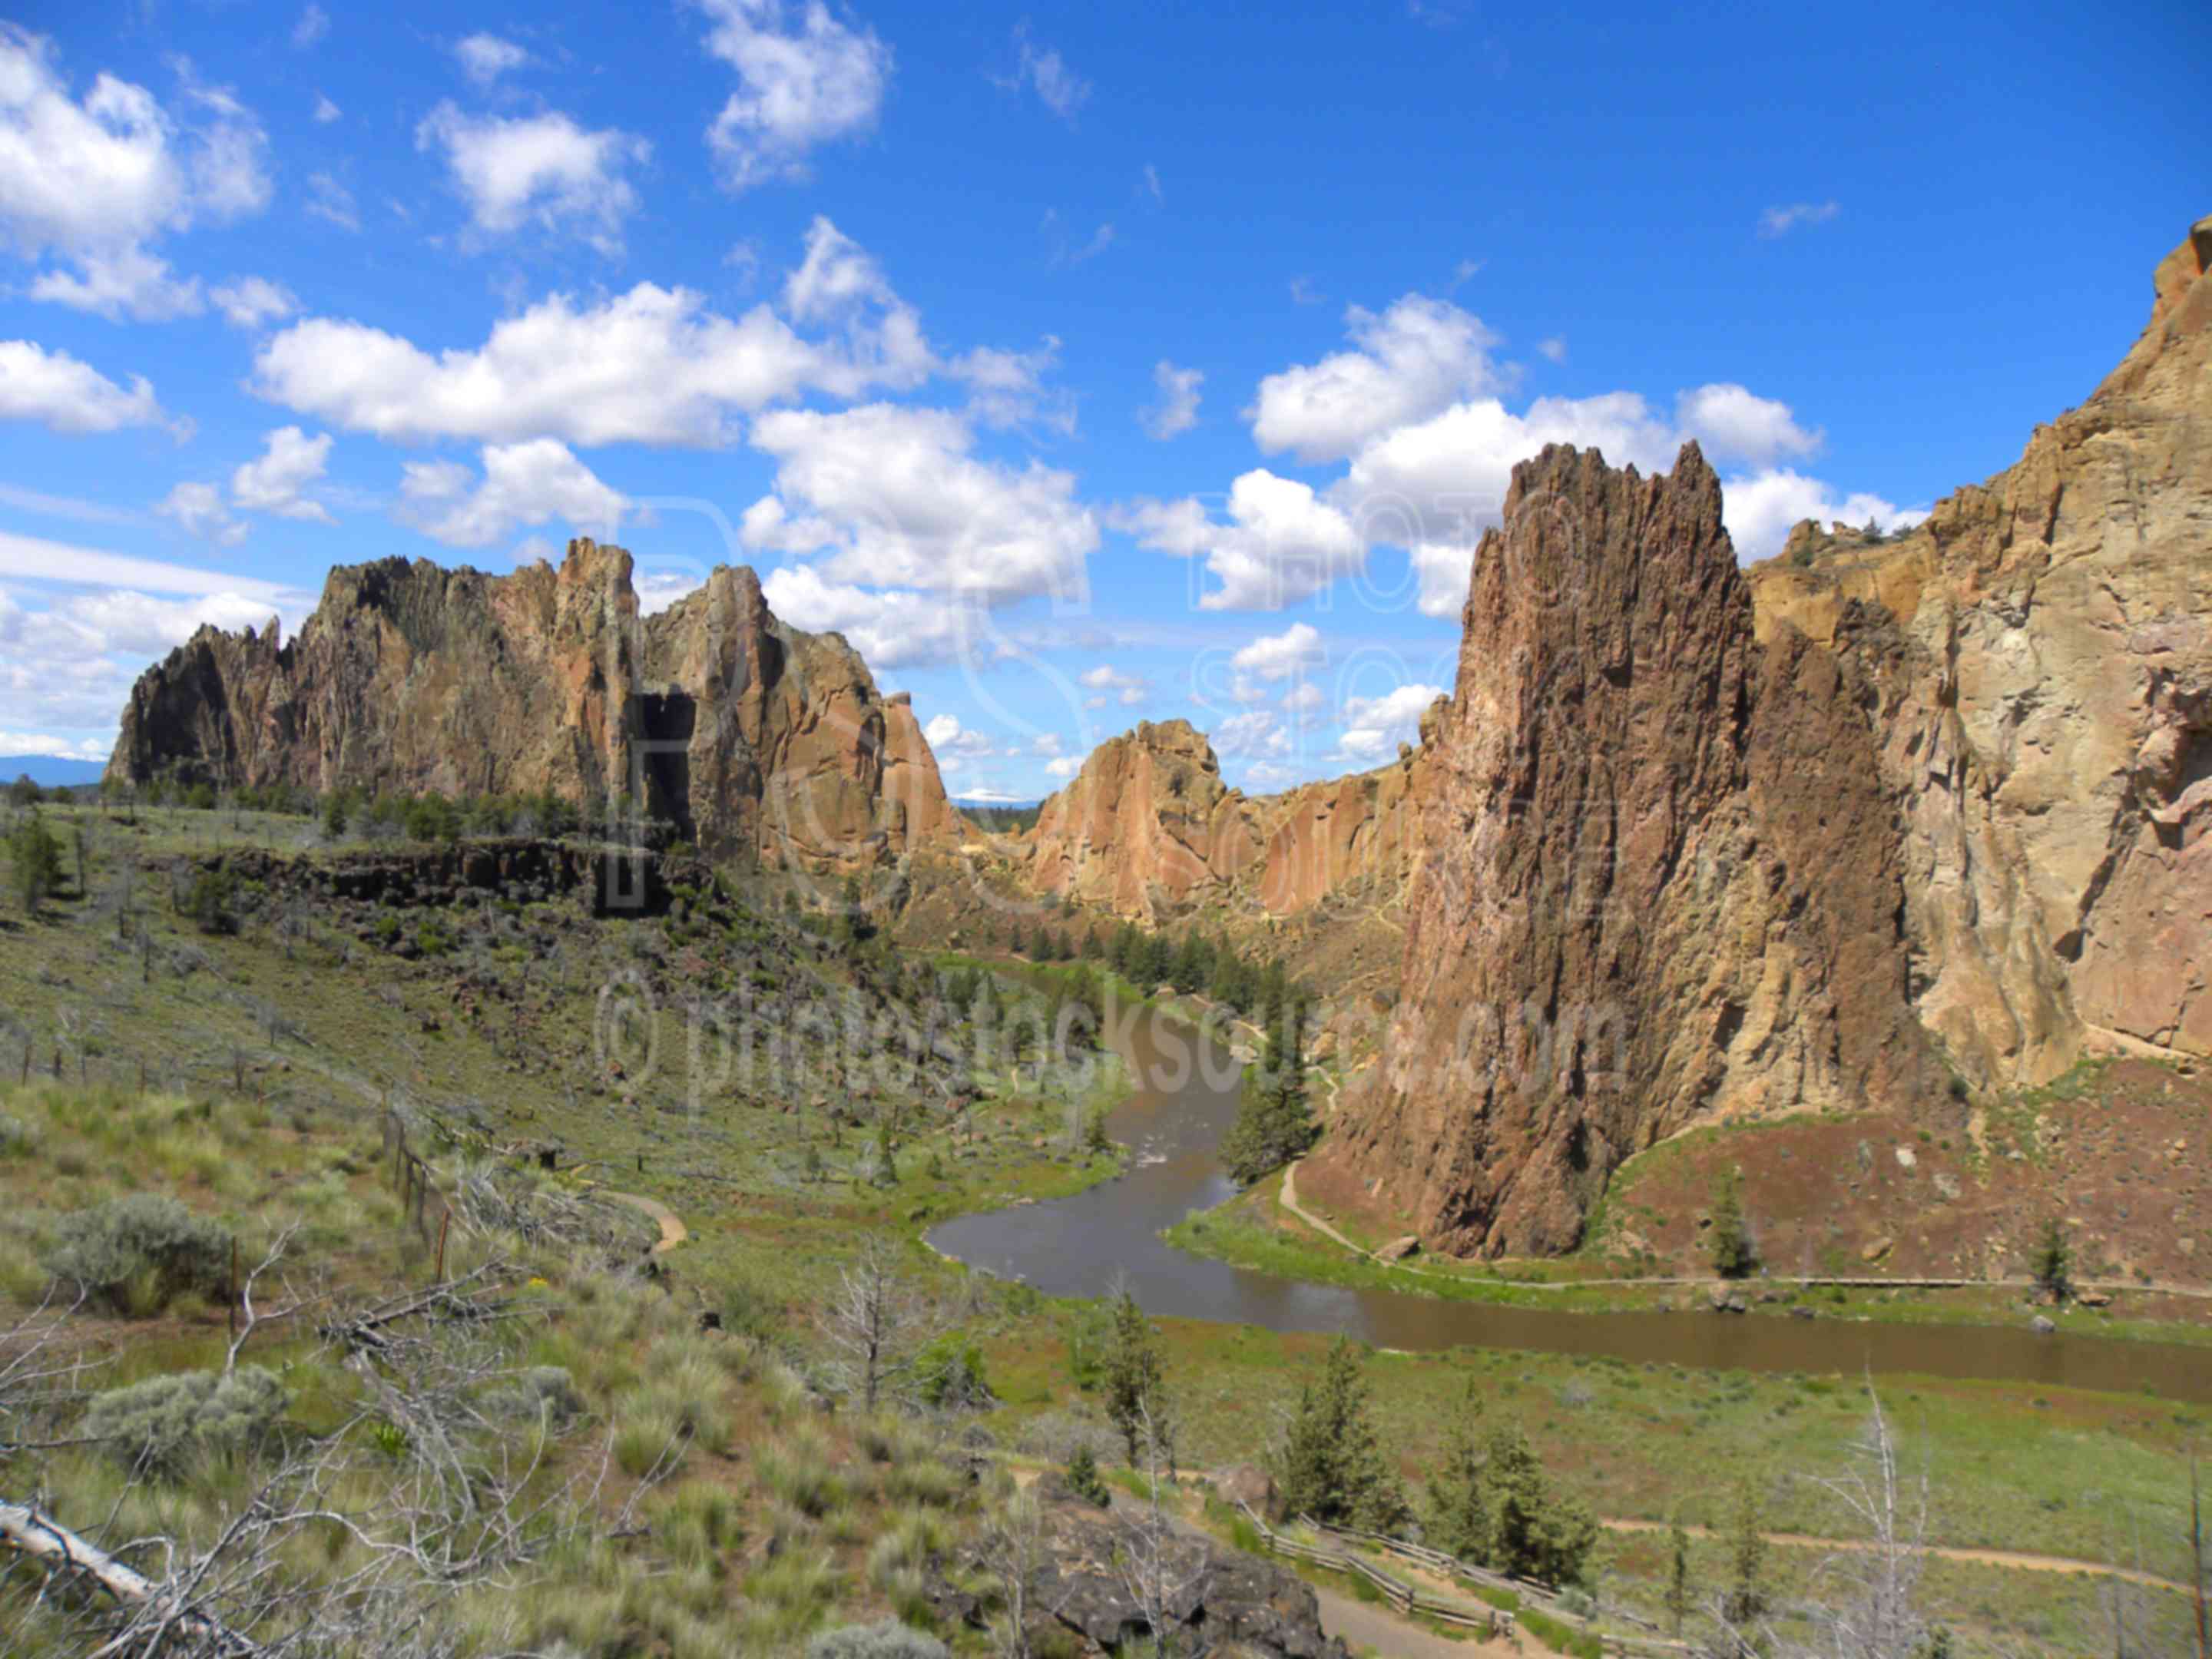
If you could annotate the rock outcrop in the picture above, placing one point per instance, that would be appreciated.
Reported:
(1149, 830)
(754, 738)
(1660, 883)
(2043, 716)
(1875, 818)
(1227, 1600)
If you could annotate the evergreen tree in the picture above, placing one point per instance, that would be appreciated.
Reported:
(34, 862)
(1331, 1464)
(2054, 1261)
(1274, 1123)
(1083, 1478)
(1745, 1601)
(1136, 1381)
(1188, 972)
(1534, 1532)
(1457, 1518)
(1735, 1255)
(1678, 1572)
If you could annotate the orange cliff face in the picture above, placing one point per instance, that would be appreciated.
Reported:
(1840, 831)
(2042, 715)
(1148, 830)
(755, 737)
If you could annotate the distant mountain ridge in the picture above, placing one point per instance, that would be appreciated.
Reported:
(50, 771)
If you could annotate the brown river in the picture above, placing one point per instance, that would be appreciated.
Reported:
(1185, 1100)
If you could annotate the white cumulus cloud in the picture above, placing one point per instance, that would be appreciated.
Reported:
(1177, 412)
(291, 461)
(1412, 361)
(654, 365)
(531, 482)
(540, 169)
(485, 58)
(893, 497)
(250, 301)
(67, 395)
(93, 179)
(805, 78)
(1280, 656)
(1279, 544)
(198, 509)
(1760, 508)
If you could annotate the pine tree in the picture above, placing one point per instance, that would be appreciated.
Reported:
(1534, 1532)
(1746, 1600)
(1457, 1519)
(1678, 1572)
(1083, 1478)
(2054, 1261)
(1735, 1255)
(1135, 1379)
(1275, 1122)
(1331, 1465)
(35, 861)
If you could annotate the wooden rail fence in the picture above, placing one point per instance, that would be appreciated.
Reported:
(420, 1200)
(1410, 1601)
(1401, 1595)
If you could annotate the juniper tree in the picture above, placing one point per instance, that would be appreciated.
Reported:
(2053, 1261)
(1136, 1379)
(1457, 1511)
(1734, 1253)
(1744, 1599)
(1274, 1122)
(1331, 1464)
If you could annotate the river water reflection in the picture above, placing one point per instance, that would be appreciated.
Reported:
(1185, 1100)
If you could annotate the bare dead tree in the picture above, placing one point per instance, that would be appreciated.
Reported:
(1166, 1576)
(1012, 1553)
(253, 1317)
(468, 1502)
(878, 1324)
(1878, 1616)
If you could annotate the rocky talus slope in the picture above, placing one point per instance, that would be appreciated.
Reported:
(1702, 842)
(754, 738)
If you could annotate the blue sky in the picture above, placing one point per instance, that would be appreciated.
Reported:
(1080, 369)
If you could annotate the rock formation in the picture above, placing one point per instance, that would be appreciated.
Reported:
(753, 738)
(1148, 830)
(2043, 723)
(1700, 843)
(1659, 881)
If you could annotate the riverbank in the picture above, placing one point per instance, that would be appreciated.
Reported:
(1266, 1230)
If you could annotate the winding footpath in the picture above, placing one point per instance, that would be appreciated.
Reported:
(672, 1230)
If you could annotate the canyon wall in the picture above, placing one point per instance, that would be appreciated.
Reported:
(752, 737)
(1660, 882)
(1855, 827)
(1148, 830)
(2044, 720)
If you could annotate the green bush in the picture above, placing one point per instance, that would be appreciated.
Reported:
(1557, 1638)
(163, 1425)
(137, 1253)
(546, 1393)
(888, 1640)
(1083, 1478)
(211, 900)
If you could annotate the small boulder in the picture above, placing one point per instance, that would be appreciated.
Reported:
(1879, 1248)
(2094, 1298)
(2041, 1325)
(1399, 1249)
